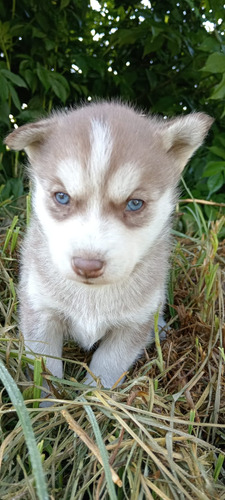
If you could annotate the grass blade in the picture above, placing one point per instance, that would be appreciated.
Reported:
(89, 443)
(218, 467)
(102, 449)
(35, 457)
(38, 379)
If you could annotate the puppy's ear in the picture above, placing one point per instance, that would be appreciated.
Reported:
(183, 135)
(29, 137)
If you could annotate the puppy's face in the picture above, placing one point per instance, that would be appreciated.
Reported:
(104, 185)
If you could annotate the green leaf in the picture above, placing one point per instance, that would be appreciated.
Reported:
(216, 150)
(16, 79)
(5, 35)
(4, 113)
(4, 88)
(213, 168)
(13, 187)
(156, 30)
(31, 78)
(215, 182)
(219, 91)
(152, 45)
(15, 97)
(43, 75)
(35, 456)
(59, 85)
(64, 3)
(80, 89)
(215, 63)
(17, 187)
(221, 139)
(209, 44)
(29, 115)
(126, 36)
(37, 33)
(211, 212)
(49, 44)
(82, 63)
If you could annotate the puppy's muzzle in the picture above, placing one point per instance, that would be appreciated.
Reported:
(88, 268)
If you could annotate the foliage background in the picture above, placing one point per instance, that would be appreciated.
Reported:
(165, 426)
(165, 57)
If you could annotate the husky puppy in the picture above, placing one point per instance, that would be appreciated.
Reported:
(95, 257)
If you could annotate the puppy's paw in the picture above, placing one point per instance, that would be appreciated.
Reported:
(106, 383)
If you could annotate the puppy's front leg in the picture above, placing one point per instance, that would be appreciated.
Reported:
(117, 352)
(43, 334)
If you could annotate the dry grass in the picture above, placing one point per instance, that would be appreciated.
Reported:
(161, 435)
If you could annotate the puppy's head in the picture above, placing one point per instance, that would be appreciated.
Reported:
(104, 184)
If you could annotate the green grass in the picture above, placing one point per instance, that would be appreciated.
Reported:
(26, 425)
(161, 435)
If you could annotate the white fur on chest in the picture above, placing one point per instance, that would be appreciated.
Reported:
(91, 311)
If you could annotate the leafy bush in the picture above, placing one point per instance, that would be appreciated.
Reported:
(167, 58)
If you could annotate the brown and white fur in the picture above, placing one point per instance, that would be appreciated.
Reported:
(92, 268)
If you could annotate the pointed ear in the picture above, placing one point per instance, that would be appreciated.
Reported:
(28, 137)
(183, 135)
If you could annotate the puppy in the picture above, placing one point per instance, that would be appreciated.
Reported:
(95, 257)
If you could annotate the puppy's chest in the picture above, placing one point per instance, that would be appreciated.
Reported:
(90, 315)
(89, 318)
(91, 312)
(87, 329)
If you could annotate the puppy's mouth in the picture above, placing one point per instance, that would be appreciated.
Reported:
(94, 282)
(91, 281)
(88, 282)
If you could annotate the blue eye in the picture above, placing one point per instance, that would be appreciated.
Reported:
(134, 205)
(62, 198)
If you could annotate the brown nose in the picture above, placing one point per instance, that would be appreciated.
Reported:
(87, 268)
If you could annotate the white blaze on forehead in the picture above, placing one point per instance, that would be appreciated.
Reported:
(124, 182)
(71, 174)
(101, 148)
